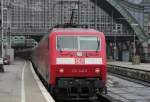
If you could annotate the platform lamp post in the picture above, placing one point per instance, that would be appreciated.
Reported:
(114, 29)
(7, 43)
(2, 39)
(134, 60)
(9, 24)
(134, 39)
(115, 43)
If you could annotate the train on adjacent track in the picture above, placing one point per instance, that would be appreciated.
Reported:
(72, 62)
(20, 42)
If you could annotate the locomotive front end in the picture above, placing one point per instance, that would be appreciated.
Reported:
(80, 68)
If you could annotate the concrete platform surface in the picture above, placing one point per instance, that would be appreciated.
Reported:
(18, 84)
(141, 66)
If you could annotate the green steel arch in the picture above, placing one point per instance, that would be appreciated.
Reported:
(130, 19)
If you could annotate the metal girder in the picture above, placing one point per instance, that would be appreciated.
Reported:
(130, 19)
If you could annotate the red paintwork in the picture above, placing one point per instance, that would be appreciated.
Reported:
(46, 57)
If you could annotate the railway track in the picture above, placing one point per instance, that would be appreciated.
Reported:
(103, 99)
(123, 89)
(100, 98)
(130, 79)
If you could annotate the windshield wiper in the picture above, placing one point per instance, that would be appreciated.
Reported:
(58, 46)
(60, 49)
(98, 42)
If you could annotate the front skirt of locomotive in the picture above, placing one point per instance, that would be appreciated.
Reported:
(78, 87)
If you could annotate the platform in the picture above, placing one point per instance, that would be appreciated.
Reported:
(139, 72)
(141, 66)
(19, 84)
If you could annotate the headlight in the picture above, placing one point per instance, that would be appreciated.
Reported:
(61, 70)
(97, 70)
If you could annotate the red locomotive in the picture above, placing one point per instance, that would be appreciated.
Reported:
(72, 61)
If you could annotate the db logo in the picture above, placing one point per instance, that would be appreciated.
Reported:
(79, 61)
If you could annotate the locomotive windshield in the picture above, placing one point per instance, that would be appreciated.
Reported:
(80, 43)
